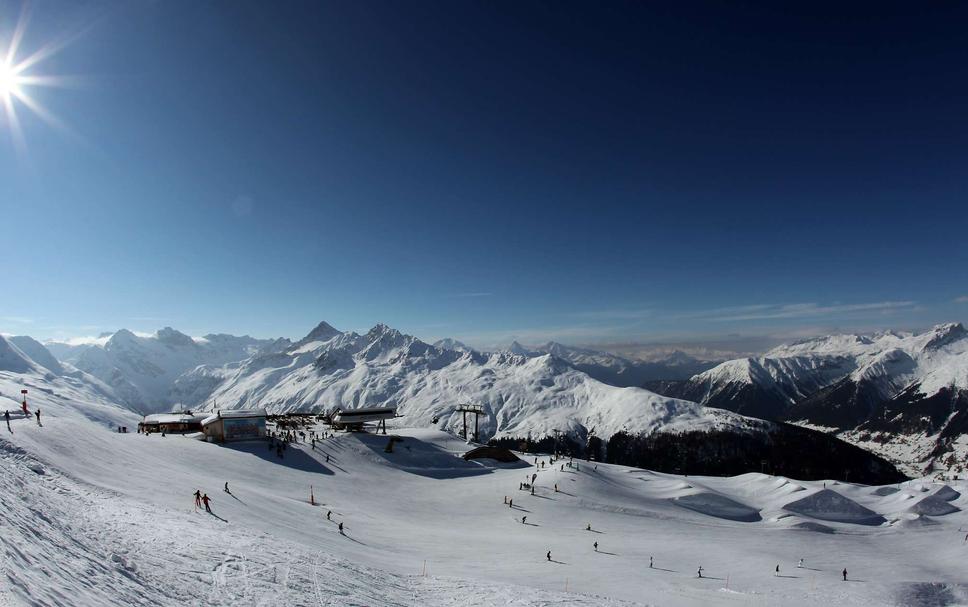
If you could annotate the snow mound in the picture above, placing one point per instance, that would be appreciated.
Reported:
(719, 506)
(828, 505)
(913, 521)
(885, 491)
(947, 494)
(812, 526)
(933, 506)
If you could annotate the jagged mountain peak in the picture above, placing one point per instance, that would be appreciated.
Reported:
(321, 332)
(448, 343)
(174, 337)
(13, 359)
(37, 353)
(120, 338)
(945, 334)
(516, 348)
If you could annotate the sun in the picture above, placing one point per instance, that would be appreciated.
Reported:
(18, 75)
(10, 81)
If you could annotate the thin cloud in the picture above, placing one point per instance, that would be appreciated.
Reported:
(473, 294)
(962, 299)
(614, 314)
(19, 320)
(797, 310)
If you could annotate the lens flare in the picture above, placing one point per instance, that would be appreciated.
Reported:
(18, 77)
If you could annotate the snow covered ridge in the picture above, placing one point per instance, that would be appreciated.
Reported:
(613, 369)
(142, 369)
(900, 394)
(522, 393)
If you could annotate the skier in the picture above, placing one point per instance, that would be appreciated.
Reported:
(205, 500)
(589, 527)
(227, 488)
(777, 572)
(548, 556)
(524, 520)
(198, 498)
(596, 546)
(651, 562)
(532, 489)
(329, 514)
(37, 413)
(800, 564)
(511, 503)
(845, 574)
(24, 407)
(341, 528)
(556, 487)
(505, 500)
(6, 416)
(699, 572)
(327, 458)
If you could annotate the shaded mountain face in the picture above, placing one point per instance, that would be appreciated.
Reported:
(899, 394)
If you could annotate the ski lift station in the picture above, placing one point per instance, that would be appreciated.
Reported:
(172, 423)
(353, 419)
(235, 425)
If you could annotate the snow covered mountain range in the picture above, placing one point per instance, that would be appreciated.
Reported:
(617, 370)
(141, 370)
(904, 395)
(523, 392)
(900, 395)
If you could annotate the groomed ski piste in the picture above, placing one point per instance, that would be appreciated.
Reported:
(93, 517)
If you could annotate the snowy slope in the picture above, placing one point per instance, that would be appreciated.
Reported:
(876, 390)
(142, 370)
(424, 527)
(521, 394)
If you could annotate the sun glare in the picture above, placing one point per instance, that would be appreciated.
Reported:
(9, 81)
(18, 77)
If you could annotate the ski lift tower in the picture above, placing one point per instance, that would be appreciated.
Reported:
(477, 411)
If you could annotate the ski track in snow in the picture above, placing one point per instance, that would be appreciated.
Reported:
(91, 518)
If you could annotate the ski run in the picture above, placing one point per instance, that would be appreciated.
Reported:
(95, 517)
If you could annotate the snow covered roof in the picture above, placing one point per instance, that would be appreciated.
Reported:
(368, 414)
(172, 418)
(233, 414)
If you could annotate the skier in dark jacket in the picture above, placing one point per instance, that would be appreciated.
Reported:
(37, 413)
(198, 498)
(548, 555)
(6, 416)
(845, 574)
(596, 546)
(341, 528)
(205, 500)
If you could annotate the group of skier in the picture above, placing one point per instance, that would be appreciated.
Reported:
(203, 498)
(26, 412)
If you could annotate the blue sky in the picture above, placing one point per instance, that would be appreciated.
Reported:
(486, 171)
